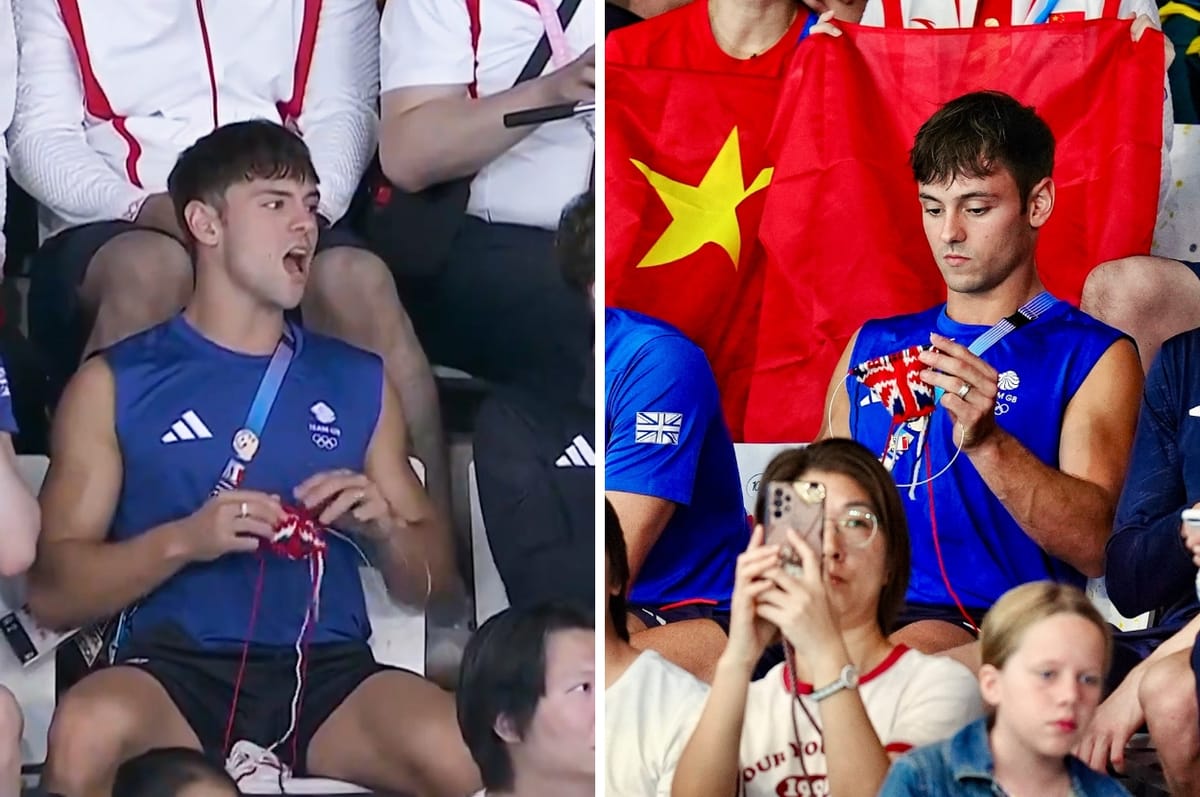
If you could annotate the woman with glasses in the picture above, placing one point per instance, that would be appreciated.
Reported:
(829, 719)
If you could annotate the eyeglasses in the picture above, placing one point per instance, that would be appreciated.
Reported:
(857, 527)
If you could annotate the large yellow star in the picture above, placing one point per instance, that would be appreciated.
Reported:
(705, 213)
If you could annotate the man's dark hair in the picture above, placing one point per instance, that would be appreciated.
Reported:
(503, 673)
(236, 153)
(618, 568)
(575, 242)
(166, 772)
(977, 134)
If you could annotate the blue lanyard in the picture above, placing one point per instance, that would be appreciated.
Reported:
(1046, 12)
(246, 440)
(1028, 312)
(813, 16)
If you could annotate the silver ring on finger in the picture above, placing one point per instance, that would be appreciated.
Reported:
(964, 390)
(244, 510)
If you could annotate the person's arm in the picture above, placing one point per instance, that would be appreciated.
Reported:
(646, 480)
(337, 118)
(51, 158)
(708, 766)
(1121, 713)
(21, 518)
(643, 518)
(538, 553)
(388, 509)
(836, 422)
(431, 129)
(1068, 511)
(1147, 564)
(78, 577)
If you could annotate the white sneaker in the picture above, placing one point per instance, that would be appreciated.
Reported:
(259, 771)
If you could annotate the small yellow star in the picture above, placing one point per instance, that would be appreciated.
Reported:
(705, 213)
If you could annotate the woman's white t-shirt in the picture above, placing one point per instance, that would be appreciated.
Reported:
(911, 699)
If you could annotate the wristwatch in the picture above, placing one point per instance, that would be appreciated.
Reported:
(847, 680)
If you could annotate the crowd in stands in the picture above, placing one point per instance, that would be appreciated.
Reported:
(258, 228)
(978, 463)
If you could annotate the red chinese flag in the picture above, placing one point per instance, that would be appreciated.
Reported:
(685, 173)
(842, 232)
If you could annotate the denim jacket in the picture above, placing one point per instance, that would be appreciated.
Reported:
(962, 765)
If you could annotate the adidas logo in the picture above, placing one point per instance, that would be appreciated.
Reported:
(188, 427)
(579, 454)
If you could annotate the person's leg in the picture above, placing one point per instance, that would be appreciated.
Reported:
(935, 636)
(1149, 298)
(1168, 697)
(95, 284)
(106, 718)
(694, 645)
(395, 732)
(352, 296)
(503, 311)
(134, 281)
(11, 726)
(692, 634)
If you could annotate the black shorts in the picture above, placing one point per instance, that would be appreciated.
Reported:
(201, 684)
(1193, 266)
(915, 612)
(654, 616)
(57, 324)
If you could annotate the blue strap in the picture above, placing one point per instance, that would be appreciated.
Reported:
(1046, 12)
(813, 16)
(268, 387)
(1028, 312)
(260, 410)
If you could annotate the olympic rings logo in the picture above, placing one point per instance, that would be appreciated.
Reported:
(325, 442)
(1001, 407)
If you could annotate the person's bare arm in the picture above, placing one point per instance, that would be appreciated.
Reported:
(79, 577)
(1068, 510)
(21, 518)
(387, 508)
(643, 518)
(836, 422)
(431, 134)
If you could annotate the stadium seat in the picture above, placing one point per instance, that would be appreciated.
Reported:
(490, 595)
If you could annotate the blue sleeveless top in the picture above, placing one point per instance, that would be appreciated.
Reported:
(179, 400)
(985, 552)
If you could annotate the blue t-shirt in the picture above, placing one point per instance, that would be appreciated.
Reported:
(665, 436)
(1147, 565)
(985, 552)
(8, 423)
(179, 400)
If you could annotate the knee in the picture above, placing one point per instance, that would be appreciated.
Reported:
(143, 272)
(12, 723)
(346, 280)
(1167, 693)
(1126, 289)
(87, 732)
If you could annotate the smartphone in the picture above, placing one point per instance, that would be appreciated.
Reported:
(799, 506)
